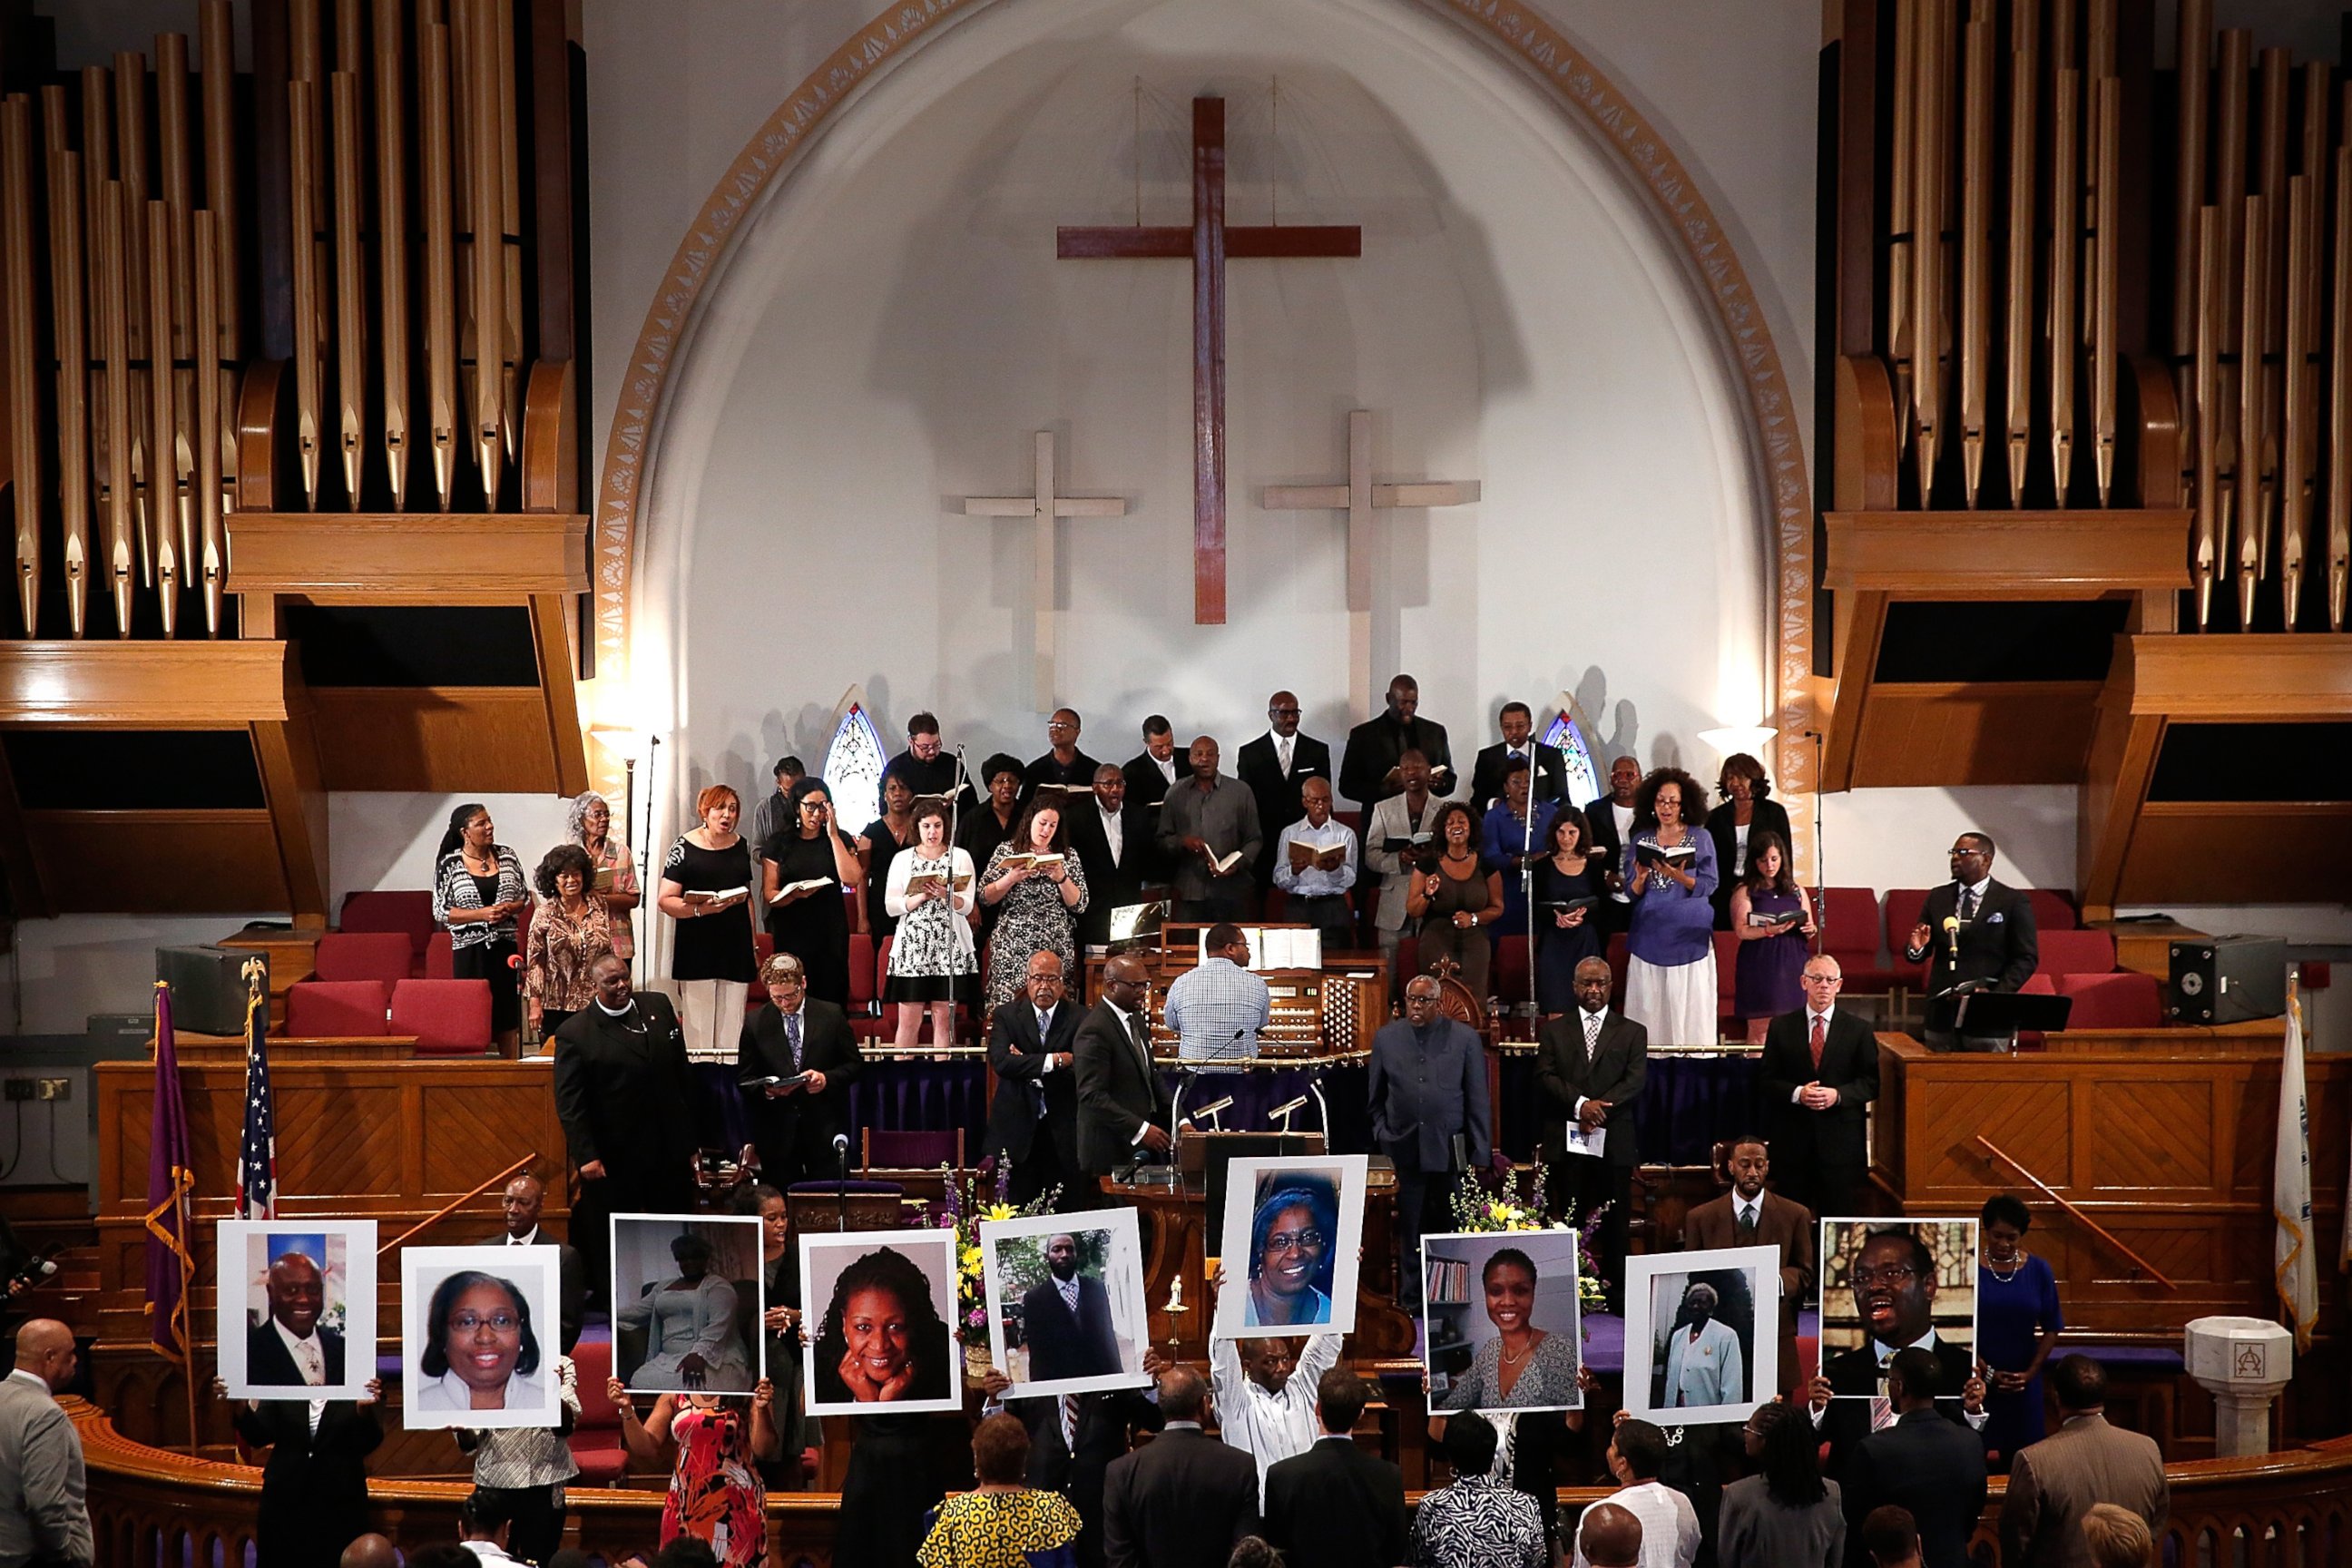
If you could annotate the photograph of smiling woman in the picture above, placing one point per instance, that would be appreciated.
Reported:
(1290, 1242)
(479, 1343)
(882, 1339)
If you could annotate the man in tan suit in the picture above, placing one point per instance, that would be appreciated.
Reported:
(1749, 1216)
(2053, 1484)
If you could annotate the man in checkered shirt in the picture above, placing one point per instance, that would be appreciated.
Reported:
(1218, 1009)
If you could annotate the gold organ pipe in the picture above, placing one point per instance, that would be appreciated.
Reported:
(173, 128)
(97, 168)
(392, 244)
(303, 153)
(489, 271)
(2269, 373)
(1976, 245)
(2340, 397)
(2272, 155)
(96, 138)
(131, 168)
(2230, 125)
(2099, 63)
(66, 282)
(1929, 101)
(2017, 338)
(2211, 546)
(162, 483)
(350, 319)
(2302, 267)
(2065, 232)
(440, 261)
(2106, 343)
(2253, 520)
(510, 223)
(114, 326)
(24, 348)
(218, 59)
(1901, 217)
(351, 35)
(212, 571)
(2195, 79)
(459, 15)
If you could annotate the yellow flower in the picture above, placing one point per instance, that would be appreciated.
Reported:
(1002, 1211)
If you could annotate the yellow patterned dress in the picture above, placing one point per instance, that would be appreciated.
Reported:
(1025, 1529)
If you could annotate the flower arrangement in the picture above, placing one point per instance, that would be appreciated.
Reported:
(1521, 1207)
(973, 1196)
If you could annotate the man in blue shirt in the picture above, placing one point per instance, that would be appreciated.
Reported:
(1218, 1009)
(1318, 893)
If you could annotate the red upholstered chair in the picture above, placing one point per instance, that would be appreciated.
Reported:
(400, 909)
(330, 1009)
(764, 948)
(1510, 972)
(2077, 952)
(2053, 909)
(1849, 934)
(437, 962)
(1277, 901)
(596, 1437)
(448, 1018)
(2124, 999)
(383, 955)
(1902, 906)
(866, 982)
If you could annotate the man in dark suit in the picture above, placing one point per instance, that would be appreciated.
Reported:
(1065, 1319)
(290, 1349)
(314, 1499)
(1184, 1498)
(1548, 778)
(1610, 817)
(520, 1204)
(1430, 1115)
(1922, 1463)
(1819, 1071)
(1118, 848)
(1276, 766)
(1973, 928)
(1368, 768)
(1151, 772)
(1590, 1065)
(1747, 1215)
(1033, 1120)
(1063, 765)
(1123, 1106)
(1335, 1505)
(1894, 1297)
(793, 1125)
(624, 1096)
(1075, 1438)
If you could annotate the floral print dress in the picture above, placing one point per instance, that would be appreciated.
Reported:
(715, 1493)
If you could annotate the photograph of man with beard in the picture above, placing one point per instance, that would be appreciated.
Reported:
(1066, 1318)
(1888, 1287)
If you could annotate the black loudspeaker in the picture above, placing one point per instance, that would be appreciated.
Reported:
(208, 986)
(2228, 979)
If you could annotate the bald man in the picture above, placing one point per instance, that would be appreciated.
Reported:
(1184, 1498)
(519, 1206)
(1608, 1536)
(290, 1349)
(1123, 1103)
(43, 1516)
(369, 1551)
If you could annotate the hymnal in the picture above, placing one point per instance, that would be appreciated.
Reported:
(1029, 862)
(1763, 922)
(937, 882)
(716, 896)
(756, 1085)
(1406, 846)
(604, 882)
(1567, 906)
(1650, 853)
(807, 884)
(1304, 856)
(1222, 865)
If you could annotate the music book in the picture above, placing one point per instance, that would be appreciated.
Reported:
(604, 880)
(937, 882)
(1650, 854)
(1302, 856)
(773, 1081)
(1406, 846)
(1767, 921)
(944, 802)
(717, 896)
(1222, 865)
(1567, 906)
(807, 885)
(1029, 862)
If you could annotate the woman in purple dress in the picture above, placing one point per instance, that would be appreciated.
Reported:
(1670, 986)
(2018, 1323)
(1773, 919)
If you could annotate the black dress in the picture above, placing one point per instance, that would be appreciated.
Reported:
(712, 947)
(1558, 952)
(814, 930)
(892, 1483)
(882, 847)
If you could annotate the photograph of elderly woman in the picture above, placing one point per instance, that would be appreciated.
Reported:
(1290, 1235)
(687, 1303)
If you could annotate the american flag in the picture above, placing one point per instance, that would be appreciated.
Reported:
(257, 1159)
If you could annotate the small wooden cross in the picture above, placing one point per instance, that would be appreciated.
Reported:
(1042, 506)
(1359, 498)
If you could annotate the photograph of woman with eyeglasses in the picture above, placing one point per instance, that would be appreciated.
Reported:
(1293, 1220)
(478, 1351)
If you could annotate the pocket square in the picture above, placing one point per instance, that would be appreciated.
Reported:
(1994, 920)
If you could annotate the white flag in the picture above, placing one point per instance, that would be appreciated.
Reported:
(2298, 1281)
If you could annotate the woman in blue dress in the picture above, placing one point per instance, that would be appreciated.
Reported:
(1773, 919)
(2018, 1322)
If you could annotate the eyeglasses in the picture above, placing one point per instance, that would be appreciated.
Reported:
(1295, 1241)
(1059, 724)
(1282, 712)
(1893, 1274)
(1044, 980)
(498, 1323)
(1960, 854)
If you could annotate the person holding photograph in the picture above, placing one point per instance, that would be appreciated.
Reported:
(1523, 1366)
(1703, 1360)
(882, 1340)
(525, 1468)
(479, 1353)
(1265, 1388)
(1894, 1285)
(288, 1348)
(1787, 1516)
(713, 1445)
(2018, 1324)
(1065, 1319)
(779, 1266)
(1922, 1463)
(1001, 1522)
(1669, 1532)
(1290, 1254)
(1751, 1216)
(689, 1325)
(314, 1484)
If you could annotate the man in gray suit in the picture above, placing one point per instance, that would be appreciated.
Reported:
(43, 1520)
(2054, 1483)
(1430, 1115)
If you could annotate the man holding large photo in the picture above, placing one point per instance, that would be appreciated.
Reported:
(1065, 1319)
(1894, 1296)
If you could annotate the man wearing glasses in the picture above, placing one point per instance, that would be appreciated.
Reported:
(1430, 1115)
(1063, 766)
(1894, 1296)
(1973, 929)
(799, 1053)
(1276, 767)
(1819, 1073)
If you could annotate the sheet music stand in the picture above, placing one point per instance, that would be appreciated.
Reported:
(1995, 1014)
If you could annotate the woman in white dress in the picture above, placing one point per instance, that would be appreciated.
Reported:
(692, 1340)
(930, 893)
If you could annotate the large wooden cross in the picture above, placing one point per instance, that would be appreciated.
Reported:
(1208, 242)
(1042, 506)
(1360, 496)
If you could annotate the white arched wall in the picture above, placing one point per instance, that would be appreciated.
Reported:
(890, 323)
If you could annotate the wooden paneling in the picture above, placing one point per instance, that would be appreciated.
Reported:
(2224, 852)
(157, 862)
(181, 685)
(2242, 678)
(487, 738)
(2006, 554)
(408, 558)
(1987, 732)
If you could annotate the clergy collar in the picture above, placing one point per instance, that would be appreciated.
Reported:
(617, 1012)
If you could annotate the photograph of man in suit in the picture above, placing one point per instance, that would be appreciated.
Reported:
(796, 1037)
(1066, 1318)
(1589, 1066)
(1749, 1215)
(1428, 1093)
(1819, 1073)
(1894, 1288)
(1123, 1104)
(1034, 1121)
(1703, 1363)
(1973, 928)
(288, 1348)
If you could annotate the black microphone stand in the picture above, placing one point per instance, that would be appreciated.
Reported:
(841, 1189)
(955, 825)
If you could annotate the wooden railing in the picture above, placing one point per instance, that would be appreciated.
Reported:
(153, 1507)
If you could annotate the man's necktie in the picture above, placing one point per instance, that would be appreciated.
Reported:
(1070, 1422)
(1821, 1038)
(1748, 1223)
(1592, 1034)
(1136, 1033)
(1968, 905)
(793, 1034)
(314, 1362)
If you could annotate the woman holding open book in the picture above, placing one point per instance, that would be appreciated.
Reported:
(706, 888)
(1037, 888)
(612, 870)
(1568, 891)
(929, 893)
(1456, 899)
(1670, 873)
(808, 863)
(1773, 919)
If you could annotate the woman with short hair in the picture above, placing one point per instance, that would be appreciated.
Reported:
(477, 891)
(706, 887)
(1456, 899)
(1001, 1522)
(1738, 826)
(2019, 1320)
(569, 932)
(805, 868)
(612, 869)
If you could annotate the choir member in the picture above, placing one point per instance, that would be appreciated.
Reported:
(1737, 825)
(1316, 890)
(1671, 874)
(706, 888)
(1274, 767)
(477, 891)
(1517, 723)
(1371, 769)
(1063, 765)
(1151, 772)
(809, 862)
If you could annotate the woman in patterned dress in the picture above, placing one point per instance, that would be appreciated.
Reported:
(613, 871)
(1034, 908)
(477, 891)
(932, 946)
(715, 1492)
(568, 931)
(1001, 1522)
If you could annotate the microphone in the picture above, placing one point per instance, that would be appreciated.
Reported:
(1213, 1108)
(841, 1146)
(36, 1270)
(1298, 1104)
(1952, 935)
(515, 961)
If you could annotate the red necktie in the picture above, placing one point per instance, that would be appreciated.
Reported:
(1821, 1031)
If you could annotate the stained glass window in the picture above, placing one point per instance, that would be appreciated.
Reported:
(853, 769)
(1583, 778)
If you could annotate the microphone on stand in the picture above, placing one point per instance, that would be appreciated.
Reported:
(1952, 935)
(841, 1159)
